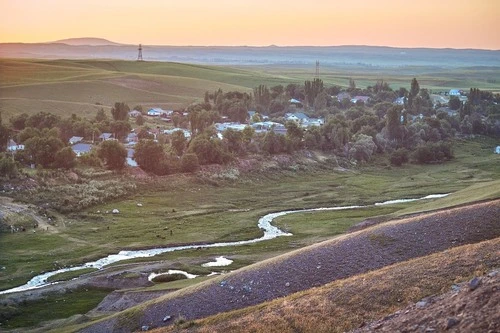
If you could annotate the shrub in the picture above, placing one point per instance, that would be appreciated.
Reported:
(433, 152)
(8, 167)
(399, 157)
(169, 277)
(189, 162)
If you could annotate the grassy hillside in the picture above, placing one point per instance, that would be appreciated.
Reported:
(83, 86)
(348, 304)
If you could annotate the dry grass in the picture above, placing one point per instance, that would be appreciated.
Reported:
(347, 304)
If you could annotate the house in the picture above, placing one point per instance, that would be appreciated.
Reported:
(221, 127)
(106, 136)
(132, 138)
(130, 158)
(187, 134)
(455, 92)
(342, 96)
(81, 148)
(298, 117)
(13, 146)
(363, 99)
(399, 101)
(154, 112)
(159, 112)
(315, 122)
(266, 126)
(295, 101)
(497, 150)
(75, 139)
(134, 113)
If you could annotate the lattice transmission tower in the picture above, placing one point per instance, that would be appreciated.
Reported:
(139, 56)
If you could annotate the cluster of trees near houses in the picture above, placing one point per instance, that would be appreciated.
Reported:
(415, 130)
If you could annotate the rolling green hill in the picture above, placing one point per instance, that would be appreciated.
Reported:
(83, 86)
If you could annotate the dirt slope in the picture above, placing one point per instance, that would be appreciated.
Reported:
(472, 306)
(317, 265)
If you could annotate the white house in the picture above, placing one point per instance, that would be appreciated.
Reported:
(497, 150)
(81, 148)
(157, 112)
(75, 139)
(363, 99)
(298, 117)
(13, 146)
(106, 136)
(134, 113)
(187, 134)
(154, 112)
(454, 92)
(132, 138)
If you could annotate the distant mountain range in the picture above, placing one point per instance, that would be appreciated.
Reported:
(369, 57)
(89, 41)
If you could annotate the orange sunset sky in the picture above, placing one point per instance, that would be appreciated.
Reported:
(400, 23)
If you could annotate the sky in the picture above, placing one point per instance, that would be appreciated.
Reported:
(397, 23)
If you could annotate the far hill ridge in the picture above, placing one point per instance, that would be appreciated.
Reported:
(89, 41)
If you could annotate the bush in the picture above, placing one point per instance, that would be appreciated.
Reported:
(168, 277)
(433, 152)
(399, 157)
(190, 163)
(8, 167)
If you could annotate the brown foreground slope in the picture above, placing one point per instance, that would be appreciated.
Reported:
(355, 302)
(317, 265)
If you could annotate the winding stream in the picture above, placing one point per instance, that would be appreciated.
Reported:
(270, 232)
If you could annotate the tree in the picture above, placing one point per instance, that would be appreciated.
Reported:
(4, 135)
(312, 89)
(233, 140)
(399, 156)
(8, 167)
(113, 154)
(363, 148)
(19, 121)
(352, 85)
(208, 150)
(176, 119)
(120, 129)
(139, 120)
(294, 134)
(178, 142)
(42, 120)
(262, 96)
(65, 158)
(393, 123)
(120, 111)
(414, 90)
(454, 103)
(321, 101)
(190, 163)
(43, 148)
(101, 116)
(150, 156)
(273, 143)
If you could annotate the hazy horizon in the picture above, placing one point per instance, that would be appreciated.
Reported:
(465, 24)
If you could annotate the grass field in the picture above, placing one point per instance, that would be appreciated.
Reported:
(83, 86)
(200, 212)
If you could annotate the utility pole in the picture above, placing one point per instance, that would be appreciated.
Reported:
(316, 75)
